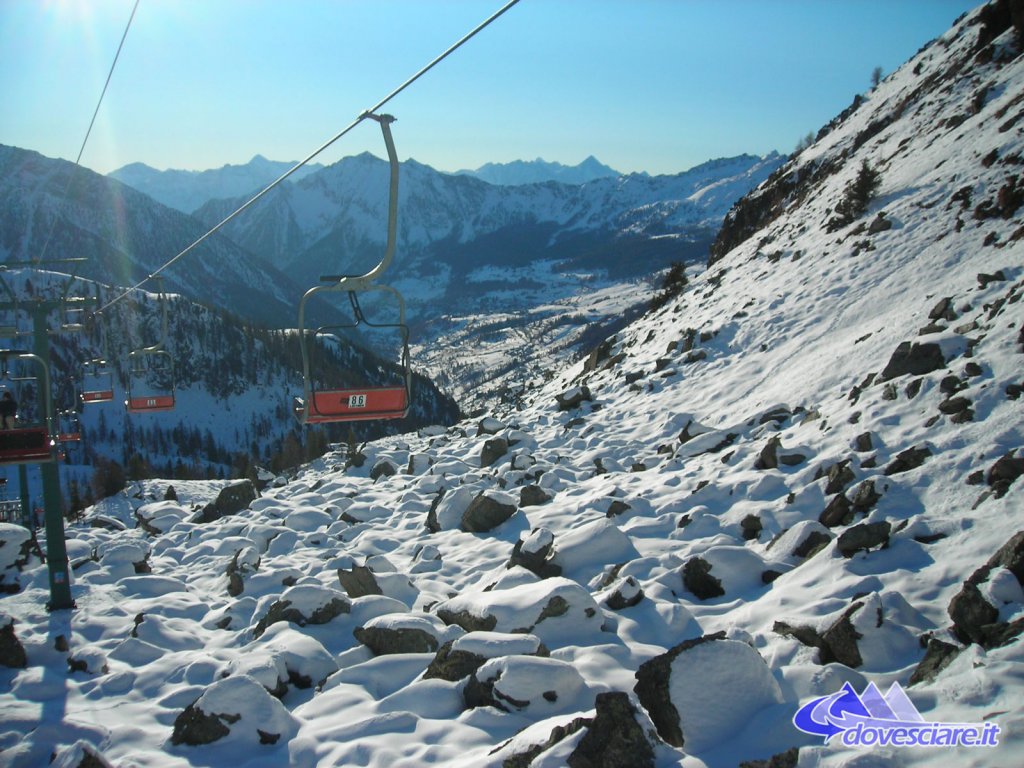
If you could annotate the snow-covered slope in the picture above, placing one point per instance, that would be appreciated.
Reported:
(188, 190)
(737, 506)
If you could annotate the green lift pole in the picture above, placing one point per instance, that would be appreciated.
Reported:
(56, 547)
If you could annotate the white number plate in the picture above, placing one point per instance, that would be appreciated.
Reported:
(357, 401)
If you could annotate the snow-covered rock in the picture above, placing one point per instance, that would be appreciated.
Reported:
(515, 683)
(552, 609)
(237, 708)
(674, 688)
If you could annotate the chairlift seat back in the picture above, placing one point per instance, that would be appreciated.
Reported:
(97, 382)
(150, 403)
(358, 404)
(25, 445)
(98, 396)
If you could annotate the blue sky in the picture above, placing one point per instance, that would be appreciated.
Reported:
(643, 85)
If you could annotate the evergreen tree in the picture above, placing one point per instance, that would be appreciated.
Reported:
(857, 197)
(804, 143)
(107, 478)
(75, 498)
(138, 467)
(672, 285)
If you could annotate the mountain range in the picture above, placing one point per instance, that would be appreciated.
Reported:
(539, 171)
(498, 279)
(187, 190)
(514, 259)
(532, 251)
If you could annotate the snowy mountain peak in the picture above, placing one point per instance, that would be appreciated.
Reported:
(188, 190)
(539, 171)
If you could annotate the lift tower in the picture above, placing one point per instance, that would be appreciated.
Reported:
(39, 310)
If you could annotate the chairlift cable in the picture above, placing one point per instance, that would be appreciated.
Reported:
(92, 122)
(110, 74)
(364, 115)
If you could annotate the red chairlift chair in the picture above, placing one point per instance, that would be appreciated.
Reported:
(322, 403)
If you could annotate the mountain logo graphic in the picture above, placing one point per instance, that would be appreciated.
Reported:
(872, 719)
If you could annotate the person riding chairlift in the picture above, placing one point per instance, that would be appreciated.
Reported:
(8, 410)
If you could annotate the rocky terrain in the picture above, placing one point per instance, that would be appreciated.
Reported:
(800, 474)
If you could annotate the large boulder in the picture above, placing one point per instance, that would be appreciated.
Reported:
(231, 500)
(1009, 556)
(12, 652)
(383, 468)
(237, 707)
(937, 656)
(915, 359)
(464, 655)
(447, 508)
(698, 580)
(359, 581)
(614, 739)
(81, 754)
(1001, 475)
(533, 495)
(284, 656)
(617, 736)
(125, 557)
(837, 512)
(158, 517)
(839, 641)
(587, 549)
(573, 398)
(304, 604)
(378, 576)
(493, 450)
(402, 633)
(868, 633)
(673, 687)
(864, 537)
(487, 511)
(623, 593)
(911, 458)
(490, 426)
(554, 609)
(802, 541)
(245, 562)
(517, 683)
(534, 554)
(15, 541)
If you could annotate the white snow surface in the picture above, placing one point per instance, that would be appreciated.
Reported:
(792, 322)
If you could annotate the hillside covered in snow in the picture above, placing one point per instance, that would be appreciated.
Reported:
(787, 490)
